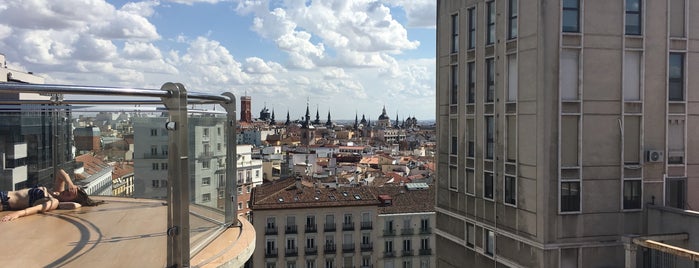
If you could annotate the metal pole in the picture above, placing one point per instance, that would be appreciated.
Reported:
(231, 162)
(178, 176)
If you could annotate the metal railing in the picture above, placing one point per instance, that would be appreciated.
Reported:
(175, 98)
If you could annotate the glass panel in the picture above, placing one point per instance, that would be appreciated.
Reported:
(569, 74)
(569, 141)
(512, 78)
(571, 20)
(632, 76)
(632, 194)
(676, 77)
(570, 196)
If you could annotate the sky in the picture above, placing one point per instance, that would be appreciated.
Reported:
(345, 57)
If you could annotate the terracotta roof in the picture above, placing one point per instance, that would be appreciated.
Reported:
(122, 169)
(283, 194)
(405, 201)
(91, 165)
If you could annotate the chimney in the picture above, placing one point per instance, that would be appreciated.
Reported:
(299, 185)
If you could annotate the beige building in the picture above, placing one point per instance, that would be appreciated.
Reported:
(559, 123)
(299, 225)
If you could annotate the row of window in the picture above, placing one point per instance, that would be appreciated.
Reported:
(571, 16)
(489, 88)
(159, 166)
(347, 219)
(347, 262)
(490, 18)
(291, 245)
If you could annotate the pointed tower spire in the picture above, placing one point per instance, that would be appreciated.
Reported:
(307, 118)
(271, 121)
(329, 123)
(317, 121)
(356, 121)
(288, 120)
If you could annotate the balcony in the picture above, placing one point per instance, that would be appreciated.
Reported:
(365, 225)
(172, 227)
(348, 247)
(389, 254)
(88, 236)
(330, 249)
(291, 252)
(407, 252)
(311, 251)
(311, 228)
(291, 229)
(329, 227)
(425, 230)
(407, 231)
(271, 253)
(425, 251)
(389, 232)
(366, 247)
(271, 230)
(348, 226)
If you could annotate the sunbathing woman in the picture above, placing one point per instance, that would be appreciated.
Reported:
(34, 200)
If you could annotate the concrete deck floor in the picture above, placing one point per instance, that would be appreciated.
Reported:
(123, 232)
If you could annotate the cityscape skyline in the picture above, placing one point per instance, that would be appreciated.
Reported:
(374, 53)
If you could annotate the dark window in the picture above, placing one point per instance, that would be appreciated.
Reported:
(676, 77)
(454, 84)
(632, 194)
(512, 13)
(489, 137)
(490, 17)
(510, 190)
(570, 196)
(471, 138)
(676, 192)
(488, 185)
(571, 16)
(454, 145)
(471, 66)
(633, 17)
(490, 79)
(455, 33)
(471, 28)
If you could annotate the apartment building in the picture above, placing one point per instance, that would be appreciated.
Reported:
(300, 225)
(405, 219)
(559, 122)
(249, 175)
(207, 152)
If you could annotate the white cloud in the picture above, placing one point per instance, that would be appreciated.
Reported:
(258, 65)
(420, 13)
(141, 51)
(192, 2)
(93, 49)
(209, 65)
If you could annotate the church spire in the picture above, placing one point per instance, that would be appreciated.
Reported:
(288, 120)
(329, 123)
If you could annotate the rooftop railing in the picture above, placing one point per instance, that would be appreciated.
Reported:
(184, 178)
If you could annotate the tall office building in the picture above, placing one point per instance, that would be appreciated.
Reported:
(34, 138)
(559, 122)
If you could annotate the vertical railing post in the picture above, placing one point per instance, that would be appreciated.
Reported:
(231, 162)
(178, 176)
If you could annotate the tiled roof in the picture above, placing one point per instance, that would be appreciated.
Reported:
(284, 194)
(406, 201)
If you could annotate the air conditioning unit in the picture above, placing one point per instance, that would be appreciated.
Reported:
(654, 156)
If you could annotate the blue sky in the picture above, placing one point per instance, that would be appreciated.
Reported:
(341, 56)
